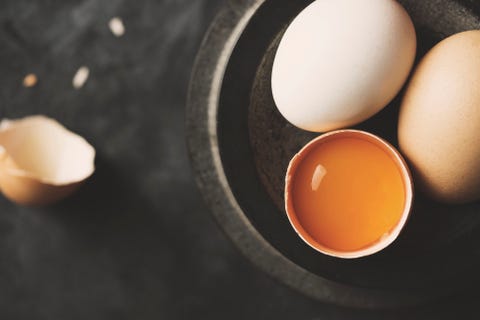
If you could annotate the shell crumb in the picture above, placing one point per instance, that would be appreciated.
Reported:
(80, 77)
(116, 26)
(30, 80)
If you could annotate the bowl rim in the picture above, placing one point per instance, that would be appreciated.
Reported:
(203, 149)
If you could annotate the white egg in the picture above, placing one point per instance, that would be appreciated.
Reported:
(342, 61)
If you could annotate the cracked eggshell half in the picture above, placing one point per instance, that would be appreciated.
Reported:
(41, 161)
(351, 216)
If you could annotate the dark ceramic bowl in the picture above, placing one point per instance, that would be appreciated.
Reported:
(240, 147)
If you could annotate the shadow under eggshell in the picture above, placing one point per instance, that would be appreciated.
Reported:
(28, 191)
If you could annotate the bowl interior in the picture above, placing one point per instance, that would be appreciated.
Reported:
(437, 249)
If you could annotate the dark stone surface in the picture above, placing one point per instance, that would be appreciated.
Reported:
(136, 242)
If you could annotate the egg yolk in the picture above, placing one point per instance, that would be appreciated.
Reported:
(348, 193)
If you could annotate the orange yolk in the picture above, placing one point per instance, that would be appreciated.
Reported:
(347, 193)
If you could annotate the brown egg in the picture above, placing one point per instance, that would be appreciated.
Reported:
(439, 123)
(41, 161)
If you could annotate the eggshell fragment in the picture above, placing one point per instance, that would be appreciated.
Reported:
(439, 121)
(41, 161)
(80, 77)
(30, 80)
(117, 27)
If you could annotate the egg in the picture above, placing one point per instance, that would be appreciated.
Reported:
(42, 162)
(439, 121)
(341, 61)
(348, 193)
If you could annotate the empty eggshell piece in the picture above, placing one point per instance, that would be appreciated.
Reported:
(439, 121)
(341, 61)
(41, 161)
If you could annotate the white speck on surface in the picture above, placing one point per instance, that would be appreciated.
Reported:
(117, 27)
(30, 80)
(80, 77)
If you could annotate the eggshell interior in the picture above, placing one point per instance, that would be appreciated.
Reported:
(41, 148)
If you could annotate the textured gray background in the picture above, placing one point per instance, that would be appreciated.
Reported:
(137, 241)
